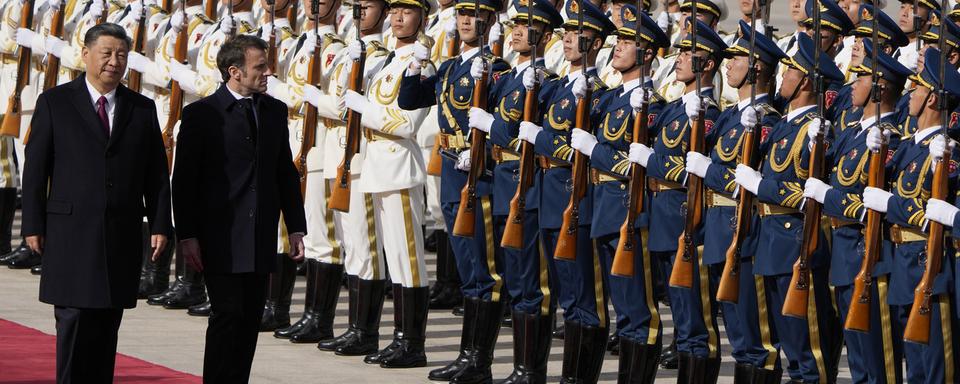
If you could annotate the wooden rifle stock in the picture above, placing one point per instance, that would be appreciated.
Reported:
(52, 72)
(513, 230)
(858, 315)
(567, 238)
(464, 226)
(210, 9)
(310, 119)
(435, 164)
(176, 97)
(134, 78)
(918, 322)
(292, 12)
(623, 259)
(340, 193)
(728, 290)
(272, 42)
(682, 273)
(798, 293)
(11, 119)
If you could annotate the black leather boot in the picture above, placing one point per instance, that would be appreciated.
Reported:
(531, 348)
(766, 376)
(409, 351)
(8, 209)
(467, 333)
(684, 367)
(318, 318)
(584, 348)
(613, 343)
(154, 275)
(192, 293)
(699, 370)
(638, 362)
(173, 289)
(377, 357)
(446, 293)
(276, 311)
(557, 332)
(489, 317)
(669, 360)
(430, 242)
(353, 297)
(743, 373)
(203, 309)
(366, 336)
(13, 254)
(308, 300)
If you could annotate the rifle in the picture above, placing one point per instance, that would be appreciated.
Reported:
(310, 116)
(166, 5)
(176, 93)
(623, 258)
(858, 315)
(918, 322)
(272, 43)
(728, 290)
(467, 211)
(567, 238)
(435, 164)
(233, 27)
(292, 11)
(497, 48)
(103, 14)
(513, 230)
(682, 274)
(11, 120)
(340, 193)
(52, 72)
(798, 293)
(134, 81)
(210, 9)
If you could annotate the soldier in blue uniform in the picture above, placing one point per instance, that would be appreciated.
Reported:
(528, 275)
(451, 89)
(870, 355)
(835, 24)
(812, 345)
(638, 319)
(584, 299)
(930, 38)
(747, 322)
(911, 172)
(698, 339)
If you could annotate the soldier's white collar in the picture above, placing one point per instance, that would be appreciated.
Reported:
(324, 29)
(522, 67)
(193, 10)
(468, 54)
(871, 121)
(746, 102)
(281, 22)
(404, 50)
(702, 90)
(573, 76)
(245, 16)
(799, 111)
(925, 133)
(630, 85)
(374, 37)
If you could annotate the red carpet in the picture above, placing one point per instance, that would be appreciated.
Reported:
(30, 356)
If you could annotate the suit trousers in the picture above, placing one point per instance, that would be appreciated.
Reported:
(86, 344)
(236, 301)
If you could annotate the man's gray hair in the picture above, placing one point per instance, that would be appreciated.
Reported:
(106, 29)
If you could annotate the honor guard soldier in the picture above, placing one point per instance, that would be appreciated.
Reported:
(811, 344)
(355, 227)
(914, 19)
(322, 247)
(696, 335)
(393, 174)
(912, 174)
(711, 13)
(608, 75)
(788, 43)
(638, 319)
(528, 276)
(834, 26)
(452, 90)
(746, 317)
(10, 180)
(907, 123)
(869, 354)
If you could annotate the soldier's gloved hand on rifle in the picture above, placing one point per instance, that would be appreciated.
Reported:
(748, 178)
(95, 10)
(463, 161)
(355, 50)
(748, 117)
(876, 138)
(184, 75)
(691, 105)
(496, 32)
(697, 163)
(176, 23)
(53, 4)
(420, 53)
(273, 86)
(136, 10)
(355, 101)
(664, 20)
(529, 132)
(309, 44)
(937, 146)
(583, 141)
(816, 189)
(480, 119)
(55, 46)
(941, 212)
(816, 126)
(640, 154)
(876, 199)
(226, 25)
(450, 28)
(138, 62)
(638, 97)
(476, 68)
(311, 94)
(581, 86)
(531, 76)
(29, 39)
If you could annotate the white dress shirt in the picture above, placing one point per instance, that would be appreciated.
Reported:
(111, 102)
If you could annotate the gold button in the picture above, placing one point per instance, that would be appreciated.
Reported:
(787, 225)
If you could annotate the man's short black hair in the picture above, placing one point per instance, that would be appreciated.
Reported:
(234, 50)
(106, 29)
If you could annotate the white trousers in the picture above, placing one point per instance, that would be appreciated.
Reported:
(357, 233)
(399, 215)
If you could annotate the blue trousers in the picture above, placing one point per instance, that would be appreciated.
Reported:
(749, 323)
(928, 364)
(693, 312)
(583, 299)
(478, 257)
(638, 318)
(529, 274)
(874, 356)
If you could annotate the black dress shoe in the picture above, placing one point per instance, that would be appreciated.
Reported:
(25, 261)
(35, 270)
(613, 344)
(7, 257)
(202, 309)
(558, 332)
(160, 298)
(430, 242)
(191, 295)
(669, 358)
(446, 297)
(457, 311)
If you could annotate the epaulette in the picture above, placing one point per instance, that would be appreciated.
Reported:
(507, 23)
(289, 31)
(155, 9)
(247, 27)
(330, 38)
(809, 116)
(711, 102)
(656, 98)
(768, 109)
(203, 18)
(887, 125)
(376, 47)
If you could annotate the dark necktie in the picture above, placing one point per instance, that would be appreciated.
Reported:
(102, 112)
(247, 104)
(390, 57)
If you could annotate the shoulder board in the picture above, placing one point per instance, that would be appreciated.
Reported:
(657, 98)
(809, 116)
(768, 109)
(203, 18)
(329, 38)
(886, 125)
(711, 102)
(548, 74)
(289, 31)
(156, 9)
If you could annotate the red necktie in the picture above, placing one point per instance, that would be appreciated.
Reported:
(102, 112)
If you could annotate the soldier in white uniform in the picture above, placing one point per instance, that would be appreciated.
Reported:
(9, 174)
(711, 12)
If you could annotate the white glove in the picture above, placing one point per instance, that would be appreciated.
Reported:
(697, 163)
(355, 101)
(309, 44)
(354, 50)
(748, 118)
(640, 154)
(938, 146)
(273, 86)
(876, 138)
(664, 21)
(816, 189)
(529, 79)
(817, 126)
(55, 45)
(137, 62)
(463, 162)
(580, 87)
(909, 59)
(227, 24)
(691, 105)
(176, 21)
(24, 37)
(479, 119)
(876, 199)
(450, 28)
(748, 178)
(311, 94)
(476, 68)
(941, 212)
(638, 97)
(420, 54)
(182, 73)
(529, 132)
(583, 141)
(53, 4)
(496, 31)
(96, 9)
(136, 10)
